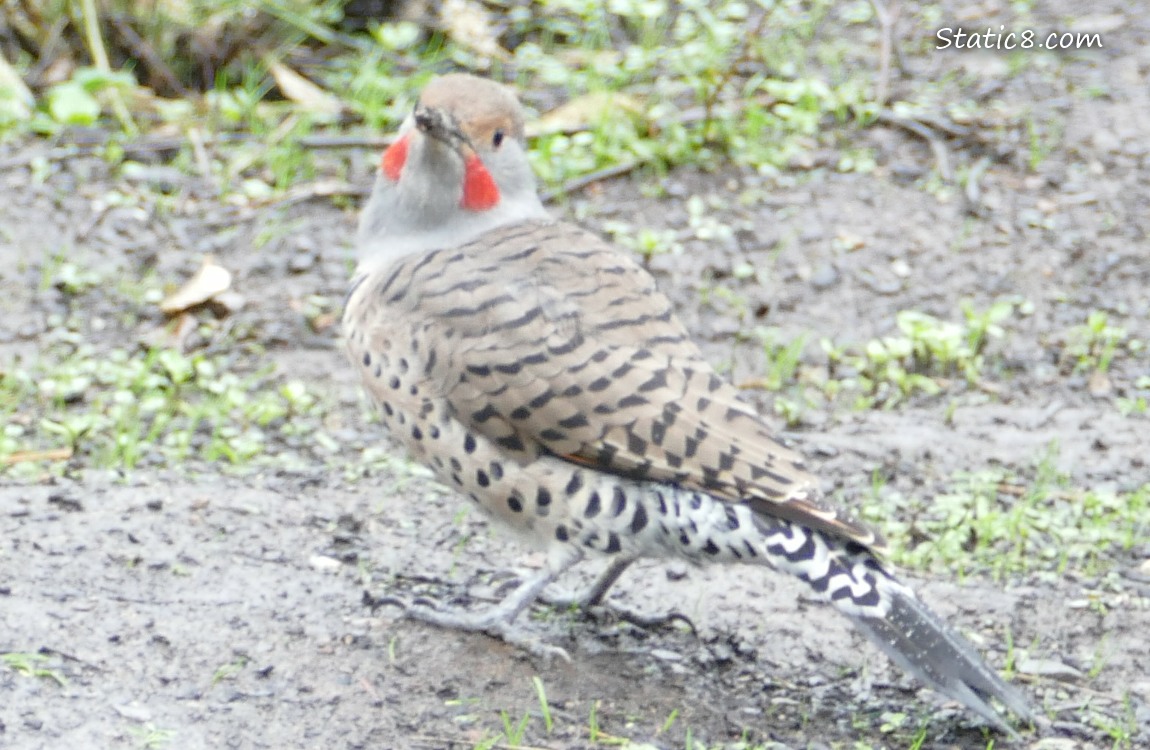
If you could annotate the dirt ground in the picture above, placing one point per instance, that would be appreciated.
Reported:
(198, 607)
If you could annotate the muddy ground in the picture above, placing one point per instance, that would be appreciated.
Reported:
(201, 607)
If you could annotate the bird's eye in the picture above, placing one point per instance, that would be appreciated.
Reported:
(497, 138)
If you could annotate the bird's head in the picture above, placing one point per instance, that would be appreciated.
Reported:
(458, 167)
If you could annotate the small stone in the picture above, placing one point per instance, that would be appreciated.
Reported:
(227, 303)
(825, 276)
(1099, 384)
(324, 564)
(1056, 743)
(302, 262)
(1048, 668)
(1105, 141)
(134, 712)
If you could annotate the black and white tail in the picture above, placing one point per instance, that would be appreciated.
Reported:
(888, 612)
(849, 576)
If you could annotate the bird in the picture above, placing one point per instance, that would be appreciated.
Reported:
(538, 371)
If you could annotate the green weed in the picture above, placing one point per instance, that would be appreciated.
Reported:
(32, 665)
(990, 521)
(120, 408)
(1092, 346)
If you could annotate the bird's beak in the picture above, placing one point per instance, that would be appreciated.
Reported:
(437, 124)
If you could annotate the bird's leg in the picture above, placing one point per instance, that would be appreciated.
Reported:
(593, 596)
(497, 620)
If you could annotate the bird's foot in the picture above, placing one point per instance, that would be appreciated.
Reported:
(495, 621)
(602, 611)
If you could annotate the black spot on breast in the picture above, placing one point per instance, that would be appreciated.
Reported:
(639, 520)
(469, 443)
(613, 545)
(515, 504)
(618, 502)
(561, 533)
(482, 479)
(593, 506)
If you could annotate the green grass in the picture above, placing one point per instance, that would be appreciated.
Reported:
(151, 737)
(994, 522)
(740, 88)
(32, 665)
(117, 408)
(1092, 346)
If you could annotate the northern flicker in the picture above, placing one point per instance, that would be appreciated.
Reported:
(537, 370)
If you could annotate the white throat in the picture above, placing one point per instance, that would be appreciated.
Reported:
(384, 237)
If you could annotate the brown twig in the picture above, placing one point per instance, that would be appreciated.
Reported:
(582, 181)
(887, 18)
(915, 126)
(145, 53)
(52, 454)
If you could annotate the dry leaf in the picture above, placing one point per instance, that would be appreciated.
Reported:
(303, 92)
(209, 280)
(583, 112)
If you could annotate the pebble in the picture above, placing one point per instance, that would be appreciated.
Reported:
(1056, 743)
(825, 276)
(1048, 668)
(134, 712)
(301, 262)
(324, 563)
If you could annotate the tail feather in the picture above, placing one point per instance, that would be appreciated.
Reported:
(916, 639)
(843, 572)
